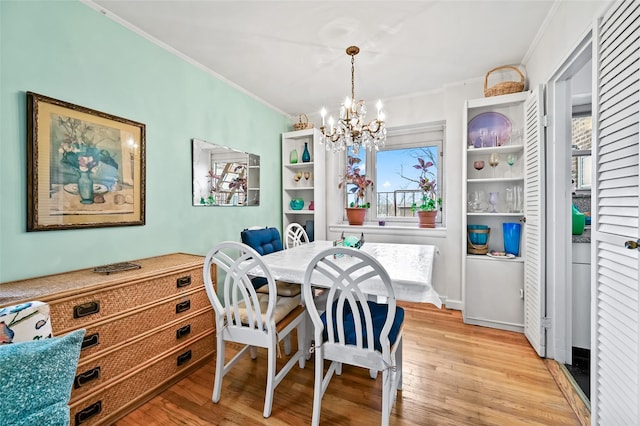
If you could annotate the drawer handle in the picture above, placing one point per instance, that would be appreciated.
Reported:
(86, 377)
(184, 281)
(85, 414)
(183, 306)
(183, 331)
(184, 357)
(90, 341)
(85, 309)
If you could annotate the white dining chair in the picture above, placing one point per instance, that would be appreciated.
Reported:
(294, 235)
(251, 318)
(371, 339)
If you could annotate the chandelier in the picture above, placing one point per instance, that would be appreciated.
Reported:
(351, 130)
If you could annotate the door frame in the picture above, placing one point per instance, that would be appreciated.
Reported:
(558, 202)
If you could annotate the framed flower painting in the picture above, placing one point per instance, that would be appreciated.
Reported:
(85, 168)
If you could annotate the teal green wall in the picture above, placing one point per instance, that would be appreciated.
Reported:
(68, 51)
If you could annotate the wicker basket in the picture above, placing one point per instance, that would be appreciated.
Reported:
(303, 123)
(505, 87)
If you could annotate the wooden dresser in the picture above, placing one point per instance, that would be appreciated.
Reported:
(145, 329)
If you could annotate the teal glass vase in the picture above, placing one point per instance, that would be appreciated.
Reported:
(306, 157)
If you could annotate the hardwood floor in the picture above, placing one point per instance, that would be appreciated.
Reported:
(454, 374)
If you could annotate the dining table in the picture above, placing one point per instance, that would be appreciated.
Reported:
(410, 267)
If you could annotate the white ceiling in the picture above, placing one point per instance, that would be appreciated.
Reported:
(291, 54)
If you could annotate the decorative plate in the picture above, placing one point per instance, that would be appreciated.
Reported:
(488, 129)
(500, 255)
(72, 188)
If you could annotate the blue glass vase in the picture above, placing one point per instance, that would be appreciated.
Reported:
(306, 157)
(511, 234)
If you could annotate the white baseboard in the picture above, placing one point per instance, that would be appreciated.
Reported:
(453, 304)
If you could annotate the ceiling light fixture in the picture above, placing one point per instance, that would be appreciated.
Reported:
(351, 130)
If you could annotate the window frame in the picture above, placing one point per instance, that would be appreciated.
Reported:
(581, 111)
(403, 137)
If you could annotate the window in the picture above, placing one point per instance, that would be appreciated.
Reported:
(395, 178)
(581, 151)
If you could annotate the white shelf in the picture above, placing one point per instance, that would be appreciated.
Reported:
(490, 180)
(299, 165)
(484, 257)
(498, 149)
(299, 188)
(303, 211)
(495, 214)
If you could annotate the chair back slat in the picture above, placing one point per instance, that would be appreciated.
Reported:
(347, 269)
(294, 235)
(240, 305)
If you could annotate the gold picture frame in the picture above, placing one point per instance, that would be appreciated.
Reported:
(85, 168)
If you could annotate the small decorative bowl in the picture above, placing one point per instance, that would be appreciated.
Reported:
(296, 204)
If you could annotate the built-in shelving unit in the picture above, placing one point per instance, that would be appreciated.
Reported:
(494, 287)
(304, 180)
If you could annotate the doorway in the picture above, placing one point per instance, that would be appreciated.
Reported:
(569, 177)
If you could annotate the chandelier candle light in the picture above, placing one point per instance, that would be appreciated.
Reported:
(351, 130)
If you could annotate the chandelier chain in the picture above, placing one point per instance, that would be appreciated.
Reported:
(353, 79)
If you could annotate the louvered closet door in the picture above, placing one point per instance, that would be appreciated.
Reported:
(615, 378)
(534, 294)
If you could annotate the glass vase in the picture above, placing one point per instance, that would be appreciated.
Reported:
(306, 157)
(293, 156)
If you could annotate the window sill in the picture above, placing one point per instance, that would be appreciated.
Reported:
(388, 229)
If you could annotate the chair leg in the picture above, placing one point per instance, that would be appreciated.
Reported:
(217, 382)
(399, 364)
(317, 387)
(373, 373)
(271, 373)
(302, 337)
(387, 385)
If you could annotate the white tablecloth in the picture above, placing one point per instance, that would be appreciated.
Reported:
(410, 267)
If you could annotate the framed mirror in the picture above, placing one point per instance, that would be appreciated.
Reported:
(223, 176)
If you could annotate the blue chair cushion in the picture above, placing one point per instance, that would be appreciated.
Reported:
(264, 241)
(36, 380)
(378, 316)
(258, 282)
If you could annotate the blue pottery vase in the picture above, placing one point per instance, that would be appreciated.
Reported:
(306, 157)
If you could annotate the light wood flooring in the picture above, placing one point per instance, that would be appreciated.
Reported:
(454, 374)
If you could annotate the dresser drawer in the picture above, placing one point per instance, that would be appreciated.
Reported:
(97, 371)
(77, 311)
(119, 329)
(106, 404)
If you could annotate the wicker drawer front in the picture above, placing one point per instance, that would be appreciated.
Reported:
(115, 331)
(76, 312)
(96, 372)
(132, 389)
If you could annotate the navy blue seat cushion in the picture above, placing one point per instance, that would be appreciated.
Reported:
(264, 241)
(258, 282)
(378, 316)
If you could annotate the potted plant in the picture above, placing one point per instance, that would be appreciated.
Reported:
(356, 209)
(430, 203)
